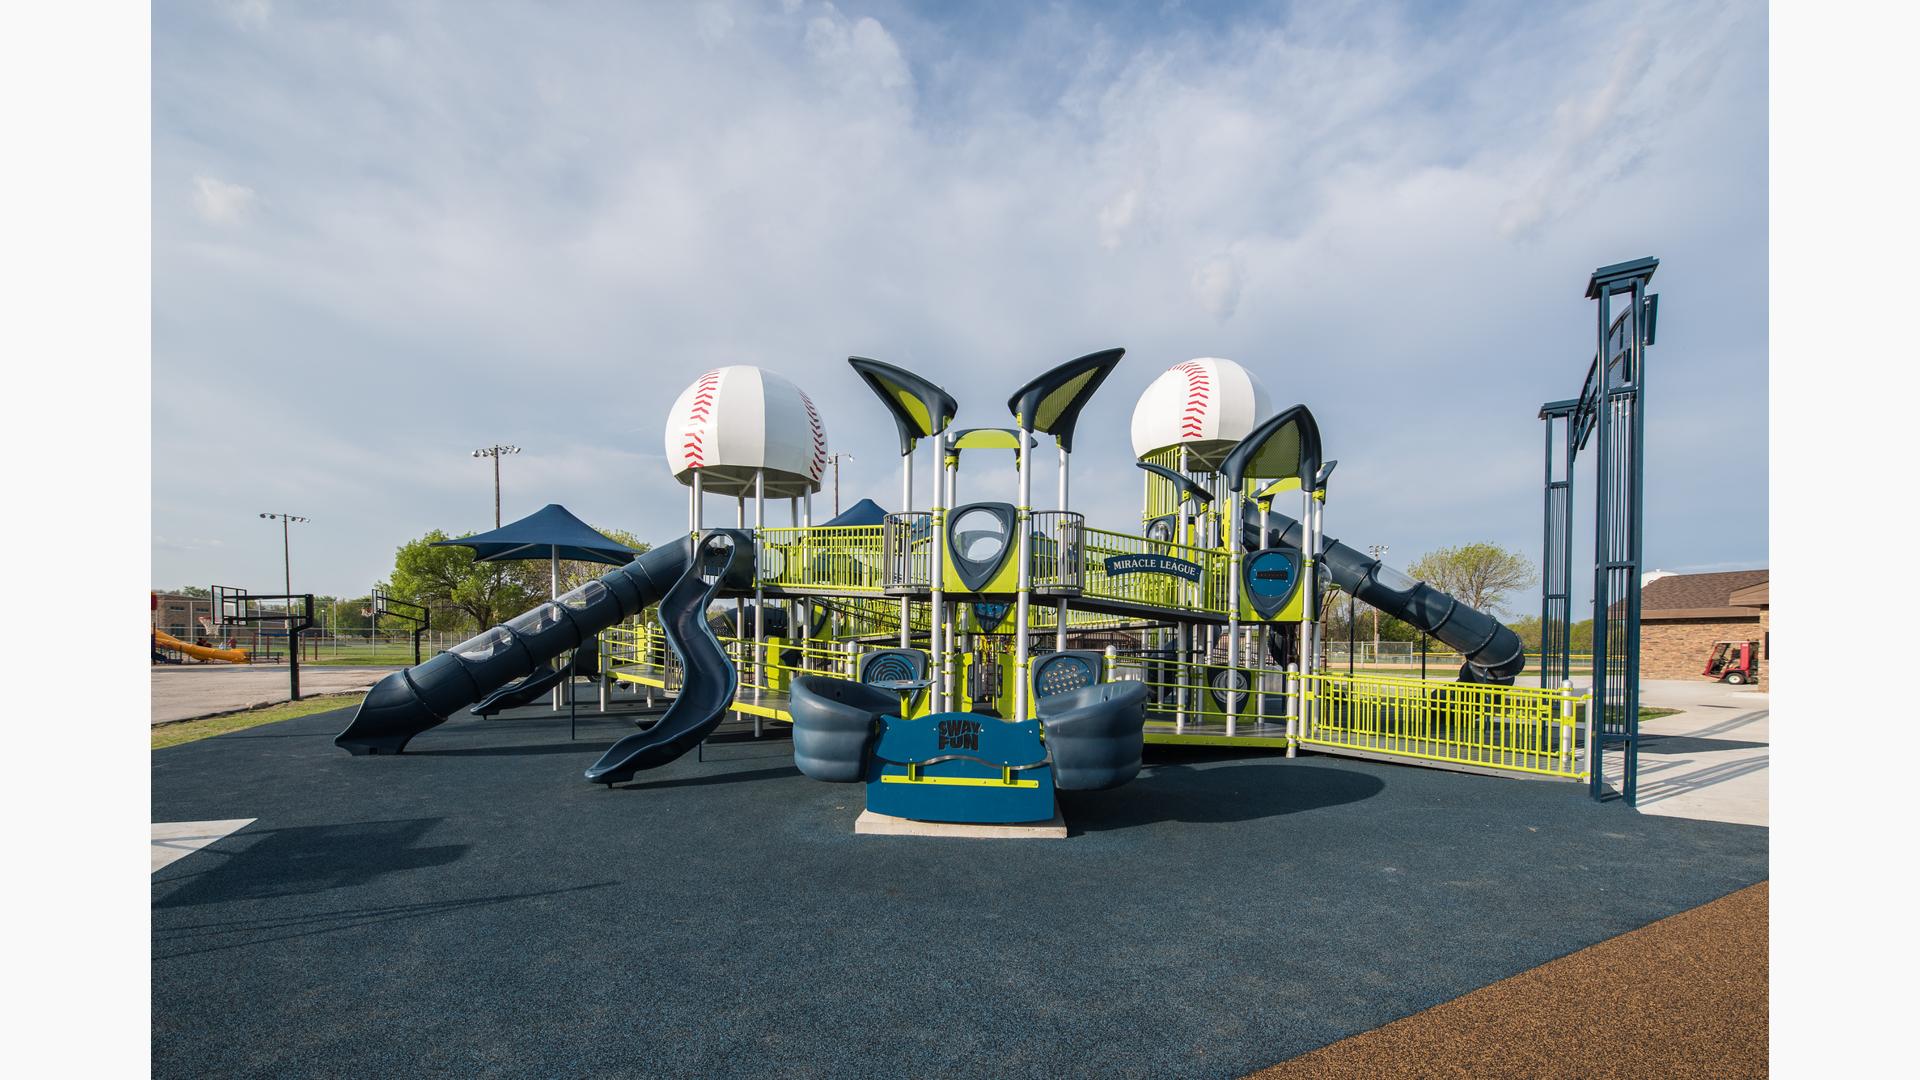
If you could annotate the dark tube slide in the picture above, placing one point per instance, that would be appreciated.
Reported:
(406, 703)
(707, 676)
(1494, 653)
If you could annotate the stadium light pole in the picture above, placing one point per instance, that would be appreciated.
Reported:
(286, 544)
(835, 459)
(494, 452)
(1379, 553)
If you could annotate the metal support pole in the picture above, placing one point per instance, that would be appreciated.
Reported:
(1182, 637)
(553, 579)
(293, 655)
(1293, 704)
(1024, 578)
(759, 595)
(906, 507)
(936, 609)
(740, 660)
(1233, 613)
(1060, 621)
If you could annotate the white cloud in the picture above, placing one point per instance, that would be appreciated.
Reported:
(251, 14)
(713, 21)
(222, 203)
(536, 226)
(859, 53)
(1216, 284)
(1117, 217)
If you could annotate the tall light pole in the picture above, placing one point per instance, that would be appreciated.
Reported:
(286, 545)
(494, 452)
(1379, 553)
(834, 458)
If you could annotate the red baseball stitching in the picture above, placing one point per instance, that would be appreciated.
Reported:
(1199, 392)
(691, 445)
(819, 462)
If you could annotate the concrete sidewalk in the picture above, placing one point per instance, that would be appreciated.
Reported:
(1707, 762)
(186, 691)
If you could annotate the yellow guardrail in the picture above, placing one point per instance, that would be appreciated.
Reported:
(843, 558)
(1507, 728)
(1153, 589)
(1520, 729)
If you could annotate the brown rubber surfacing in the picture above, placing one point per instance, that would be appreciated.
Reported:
(1682, 997)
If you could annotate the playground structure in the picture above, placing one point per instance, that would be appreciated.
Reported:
(965, 658)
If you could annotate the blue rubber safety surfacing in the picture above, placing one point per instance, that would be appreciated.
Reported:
(470, 908)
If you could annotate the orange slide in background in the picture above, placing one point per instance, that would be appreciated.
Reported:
(200, 652)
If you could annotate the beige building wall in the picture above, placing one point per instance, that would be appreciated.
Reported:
(1678, 648)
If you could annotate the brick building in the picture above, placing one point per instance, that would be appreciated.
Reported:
(1683, 615)
(179, 615)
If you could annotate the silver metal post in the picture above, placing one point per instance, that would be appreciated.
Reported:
(1233, 613)
(759, 595)
(554, 570)
(936, 631)
(1023, 578)
(1296, 706)
(906, 556)
(1182, 636)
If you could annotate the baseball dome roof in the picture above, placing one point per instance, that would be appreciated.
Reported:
(1208, 404)
(736, 422)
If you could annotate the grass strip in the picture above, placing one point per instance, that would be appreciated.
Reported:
(186, 731)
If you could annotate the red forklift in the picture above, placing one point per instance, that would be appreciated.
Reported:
(1734, 662)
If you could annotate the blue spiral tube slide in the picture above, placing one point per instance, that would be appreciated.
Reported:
(406, 703)
(1493, 651)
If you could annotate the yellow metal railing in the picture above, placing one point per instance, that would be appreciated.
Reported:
(1504, 728)
(843, 558)
(772, 667)
(1194, 697)
(1058, 557)
(1153, 589)
(909, 550)
(1518, 729)
(1162, 497)
(1508, 728)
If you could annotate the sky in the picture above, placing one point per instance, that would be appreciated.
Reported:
(387, 234)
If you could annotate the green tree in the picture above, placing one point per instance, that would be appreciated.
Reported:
(1482, 576)
(465, 594)
(449, 581)
(575, 574)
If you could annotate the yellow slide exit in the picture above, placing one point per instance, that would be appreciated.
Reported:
(200, 652)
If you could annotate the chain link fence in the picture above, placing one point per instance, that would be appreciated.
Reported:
(267, 644)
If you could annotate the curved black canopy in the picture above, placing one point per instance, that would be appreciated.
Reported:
(551, 532)
(1051, 403)
(920, 409)
(1283, 445)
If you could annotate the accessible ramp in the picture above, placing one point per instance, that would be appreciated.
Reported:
(406, 703)
(1493, 652)
(707, 675)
